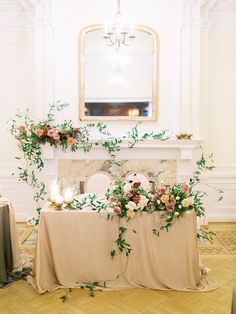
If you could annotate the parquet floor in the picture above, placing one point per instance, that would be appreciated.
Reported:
(220, 257)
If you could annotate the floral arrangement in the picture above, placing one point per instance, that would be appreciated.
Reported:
(128, 197)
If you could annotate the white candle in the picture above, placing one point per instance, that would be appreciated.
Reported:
(68, 196)
(131, 31)
(54, 191)
(59, 200)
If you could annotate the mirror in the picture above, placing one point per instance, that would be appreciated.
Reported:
(118, 83)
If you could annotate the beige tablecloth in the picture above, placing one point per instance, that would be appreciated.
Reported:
(73, 248)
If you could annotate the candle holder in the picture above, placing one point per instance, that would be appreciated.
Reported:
(52, 203)
(58, 206)
(184, 136)
(68, 204)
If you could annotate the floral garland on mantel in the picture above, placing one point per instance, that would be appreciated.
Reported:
(124, 198)
(31, 134)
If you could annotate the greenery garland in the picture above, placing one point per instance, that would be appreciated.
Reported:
(31, 134)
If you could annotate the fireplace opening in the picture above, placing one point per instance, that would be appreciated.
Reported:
(126, 109)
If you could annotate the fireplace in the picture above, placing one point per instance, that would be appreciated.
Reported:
(173, 159)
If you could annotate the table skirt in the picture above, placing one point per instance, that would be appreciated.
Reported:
(73, 248)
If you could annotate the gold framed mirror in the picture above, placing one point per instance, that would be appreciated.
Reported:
(118, 83)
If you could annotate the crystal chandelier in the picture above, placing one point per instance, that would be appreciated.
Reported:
(118, 33)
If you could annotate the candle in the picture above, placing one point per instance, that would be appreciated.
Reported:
(131, 31)
(54, 192)
(68, 196)
(59, 200)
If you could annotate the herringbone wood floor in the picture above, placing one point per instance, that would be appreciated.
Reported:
(220, 257)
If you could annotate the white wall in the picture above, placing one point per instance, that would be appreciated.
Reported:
(221, 121)
(70, 16)
(39, 59)
(15, 93)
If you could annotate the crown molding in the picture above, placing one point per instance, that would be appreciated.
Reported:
(212, 15)
(19, 15)
(222, 16)
(12, 16)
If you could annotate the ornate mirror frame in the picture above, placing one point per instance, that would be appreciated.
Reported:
(154, 96)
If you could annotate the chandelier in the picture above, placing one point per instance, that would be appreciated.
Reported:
(118, 33)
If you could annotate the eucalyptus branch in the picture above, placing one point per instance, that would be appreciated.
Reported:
(134, 136)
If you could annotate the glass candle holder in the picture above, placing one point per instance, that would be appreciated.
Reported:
(68, 197)
(59, 202)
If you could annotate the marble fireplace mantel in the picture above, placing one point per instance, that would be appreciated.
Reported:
(180, 150)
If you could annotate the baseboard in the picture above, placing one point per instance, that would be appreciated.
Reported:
(221, 217)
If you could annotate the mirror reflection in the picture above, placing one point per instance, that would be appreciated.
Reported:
(118, 83)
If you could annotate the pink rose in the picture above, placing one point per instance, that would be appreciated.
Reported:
(112, 199)
(185, 188)
(56, 137)
(21, 128)
(162, 190)
(52, 132)
(117, 210)
(170, 207)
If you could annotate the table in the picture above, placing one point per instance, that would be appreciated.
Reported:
(73, 248)
(9, 248)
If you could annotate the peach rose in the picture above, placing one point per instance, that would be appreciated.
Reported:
(70, 141)
(165, 198)
(39, 133)
(130, 213)
(187, 202)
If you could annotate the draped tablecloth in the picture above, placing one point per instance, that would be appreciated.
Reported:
(10, 260)
(73, 248)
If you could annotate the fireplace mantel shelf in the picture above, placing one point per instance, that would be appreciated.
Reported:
(180, 150)
(148, 149)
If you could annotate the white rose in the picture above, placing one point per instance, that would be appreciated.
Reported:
(177, 198)
(143, 201)
(131, 205)
(127, 187)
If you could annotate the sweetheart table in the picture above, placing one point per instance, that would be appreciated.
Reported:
(73, 248)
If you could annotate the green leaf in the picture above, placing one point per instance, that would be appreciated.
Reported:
(64, 298)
